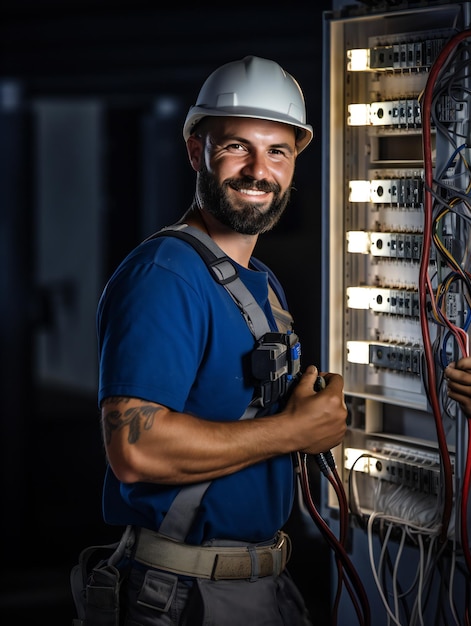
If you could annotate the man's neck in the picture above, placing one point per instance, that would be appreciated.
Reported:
(237, 246)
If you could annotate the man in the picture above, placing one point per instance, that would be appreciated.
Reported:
(176, 377)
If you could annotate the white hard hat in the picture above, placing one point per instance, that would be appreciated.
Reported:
(252, 87)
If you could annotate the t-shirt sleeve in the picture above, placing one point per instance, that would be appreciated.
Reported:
(150, 325)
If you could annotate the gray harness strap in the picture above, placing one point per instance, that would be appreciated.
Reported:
(182, 512)
(224, 272)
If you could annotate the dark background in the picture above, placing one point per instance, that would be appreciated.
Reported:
(124, 55)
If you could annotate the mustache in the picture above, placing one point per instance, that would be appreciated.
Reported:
(257, 185)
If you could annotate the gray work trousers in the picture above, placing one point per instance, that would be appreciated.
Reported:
(154, 598)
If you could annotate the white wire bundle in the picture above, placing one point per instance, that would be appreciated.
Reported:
(416, 516)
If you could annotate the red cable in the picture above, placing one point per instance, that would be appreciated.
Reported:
(464, 503)
(423, 274)
(343, 561)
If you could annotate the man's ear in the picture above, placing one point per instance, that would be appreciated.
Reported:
(195, 149)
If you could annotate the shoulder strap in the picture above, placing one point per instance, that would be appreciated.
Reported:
(283, 318)
(224, 272)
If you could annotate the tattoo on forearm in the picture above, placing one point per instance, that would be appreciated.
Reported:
(137, 418)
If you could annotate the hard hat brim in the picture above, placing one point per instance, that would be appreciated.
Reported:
(303, 137)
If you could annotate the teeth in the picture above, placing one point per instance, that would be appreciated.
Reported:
(252, 192)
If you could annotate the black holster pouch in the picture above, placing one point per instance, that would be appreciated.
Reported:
(102, 597)
(96, 584)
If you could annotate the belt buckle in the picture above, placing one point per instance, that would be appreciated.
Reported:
(282, 552)
(281, 541)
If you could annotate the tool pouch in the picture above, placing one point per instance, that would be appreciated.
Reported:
(102, 597)
(96, 583)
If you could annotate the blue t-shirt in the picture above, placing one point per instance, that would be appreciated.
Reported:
(170, 334)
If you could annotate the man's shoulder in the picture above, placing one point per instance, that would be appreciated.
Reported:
(164, 251)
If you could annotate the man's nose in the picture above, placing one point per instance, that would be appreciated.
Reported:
(256, 166)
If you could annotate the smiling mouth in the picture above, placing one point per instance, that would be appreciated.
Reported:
(252, 192)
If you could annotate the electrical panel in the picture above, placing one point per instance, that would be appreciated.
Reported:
(396, 214)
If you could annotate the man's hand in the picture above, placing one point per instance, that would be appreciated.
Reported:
(458, 376)
(321, 415)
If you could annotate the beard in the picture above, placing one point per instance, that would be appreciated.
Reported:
(246, 218)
